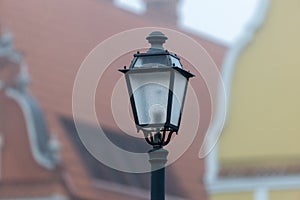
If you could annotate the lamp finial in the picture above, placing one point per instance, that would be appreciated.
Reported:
(156, 39)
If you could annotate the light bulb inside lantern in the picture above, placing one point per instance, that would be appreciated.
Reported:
(157, 114)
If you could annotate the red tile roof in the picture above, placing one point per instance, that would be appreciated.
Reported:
(56, 36)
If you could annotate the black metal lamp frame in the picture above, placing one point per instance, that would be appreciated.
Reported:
(157, 135)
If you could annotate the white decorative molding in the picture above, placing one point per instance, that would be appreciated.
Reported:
(6, 48)
(1, 146)
(134, 6)
(7, 51)
(261, 193)
(251, 184)
(211, 166)
(20, 99)
(54, 147)
(18, 92)
(22, 80)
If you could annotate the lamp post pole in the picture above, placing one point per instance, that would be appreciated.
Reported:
(158, 159)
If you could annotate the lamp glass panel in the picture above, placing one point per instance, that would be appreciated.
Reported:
(176, 62)
(180, 82)
(150, 92)
(150, 61)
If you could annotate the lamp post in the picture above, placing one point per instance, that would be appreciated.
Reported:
(157, 85)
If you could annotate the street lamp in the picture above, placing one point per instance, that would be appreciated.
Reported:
(157, 85)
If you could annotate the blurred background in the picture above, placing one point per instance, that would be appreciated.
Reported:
(254, 43)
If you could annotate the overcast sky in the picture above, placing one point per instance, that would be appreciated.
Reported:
(223, 20)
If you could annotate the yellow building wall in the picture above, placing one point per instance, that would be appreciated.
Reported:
(284, 194)
(233, 196)
(273, 195)
(264, 112)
